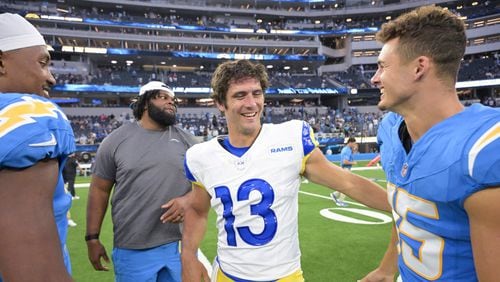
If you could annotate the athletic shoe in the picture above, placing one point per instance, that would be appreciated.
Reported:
(342, 204)
(71, 223)
(337, 201)
(334, 198)
(75, 198)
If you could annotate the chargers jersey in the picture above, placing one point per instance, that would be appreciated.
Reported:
(255, 197)
(346, 154)
(32, 129)
(428, 186)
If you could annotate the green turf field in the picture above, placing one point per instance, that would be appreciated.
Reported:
(331, 250)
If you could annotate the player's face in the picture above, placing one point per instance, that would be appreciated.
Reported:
(26, 70)
(393, 78)
(244, 105)
(161, 109)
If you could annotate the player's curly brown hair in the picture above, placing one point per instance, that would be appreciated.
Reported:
(429, 31)
(232, 71)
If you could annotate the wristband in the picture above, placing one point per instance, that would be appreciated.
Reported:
(92, 237)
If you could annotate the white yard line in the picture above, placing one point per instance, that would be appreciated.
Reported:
(328, 198)
(203, 259)
(367, 168)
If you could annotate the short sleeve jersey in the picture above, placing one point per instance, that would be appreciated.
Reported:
(33, 129)
(428, 186)
(255, 197)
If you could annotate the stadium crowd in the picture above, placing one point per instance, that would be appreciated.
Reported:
(155, 17)
(357, 76)
(325, 122)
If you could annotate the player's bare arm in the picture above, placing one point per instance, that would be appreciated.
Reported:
(195, 225)
(99, 193)
(40, 254)
(321, 171)
(388, 266)
(483, 210)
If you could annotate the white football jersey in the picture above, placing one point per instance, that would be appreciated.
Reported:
(255, 197)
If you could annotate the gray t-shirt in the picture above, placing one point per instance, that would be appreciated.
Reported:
(148, 170)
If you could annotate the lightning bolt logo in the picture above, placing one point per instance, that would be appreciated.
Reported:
(23, 112)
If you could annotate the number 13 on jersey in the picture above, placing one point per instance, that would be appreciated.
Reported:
(262, 209)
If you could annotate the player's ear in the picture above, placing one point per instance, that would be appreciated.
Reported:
(422, 64)
(221, 107)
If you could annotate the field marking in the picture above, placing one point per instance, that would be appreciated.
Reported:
(367, 168)
(203, 259)
(370, 168)
(328, 198)
(331, 214)
(87, 185)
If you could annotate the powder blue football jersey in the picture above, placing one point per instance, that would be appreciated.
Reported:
(32, 129)
(428, 186)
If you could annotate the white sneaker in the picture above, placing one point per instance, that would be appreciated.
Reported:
(334, 198)
(337, 201)
(342, 204)
(305, 181)
(75, 198)
(71, 223)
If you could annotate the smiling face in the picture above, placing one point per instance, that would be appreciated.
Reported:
(26, 70)
(393, 77)
(243, 108)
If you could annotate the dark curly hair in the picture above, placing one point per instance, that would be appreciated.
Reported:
(139, 105)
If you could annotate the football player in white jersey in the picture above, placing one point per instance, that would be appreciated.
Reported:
(442, 160)
(251, 178)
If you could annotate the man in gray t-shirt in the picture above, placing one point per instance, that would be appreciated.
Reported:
(143, 160)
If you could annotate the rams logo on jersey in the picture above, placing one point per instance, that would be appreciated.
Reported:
(281, 149)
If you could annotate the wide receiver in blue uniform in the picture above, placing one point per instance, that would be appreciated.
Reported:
(251, 179)
(35, 140)
(442, 160)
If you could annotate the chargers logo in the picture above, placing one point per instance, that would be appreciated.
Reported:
(281, 149)
(23, 112)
